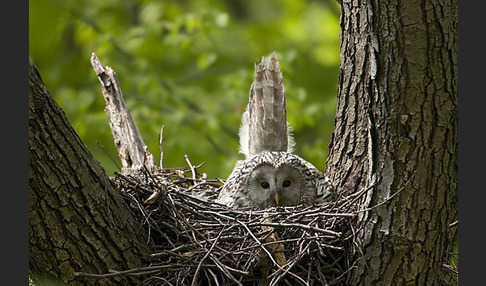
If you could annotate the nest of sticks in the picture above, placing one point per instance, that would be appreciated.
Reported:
(199, 242)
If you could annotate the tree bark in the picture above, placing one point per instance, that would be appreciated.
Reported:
(78, 223)
(396, 130)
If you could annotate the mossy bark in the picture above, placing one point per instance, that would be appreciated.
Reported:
(77, 222)
(396, 129)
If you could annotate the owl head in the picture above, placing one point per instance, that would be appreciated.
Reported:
(273, 179)
(270, 186)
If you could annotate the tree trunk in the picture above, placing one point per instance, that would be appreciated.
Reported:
(78, 223)
(396, 130)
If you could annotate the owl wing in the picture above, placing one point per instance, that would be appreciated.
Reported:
(230, 192)
(264, 125)
(323, 187)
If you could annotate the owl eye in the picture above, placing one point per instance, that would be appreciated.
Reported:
(286, 183)
(265, 185)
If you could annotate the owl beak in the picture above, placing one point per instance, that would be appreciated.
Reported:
(276, 199)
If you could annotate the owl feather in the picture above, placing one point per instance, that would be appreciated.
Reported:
(264, 125)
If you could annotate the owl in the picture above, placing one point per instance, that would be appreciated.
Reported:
(271, 175)
(273, 179)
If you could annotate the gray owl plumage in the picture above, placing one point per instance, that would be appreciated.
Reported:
(270, 175)
(244, 186)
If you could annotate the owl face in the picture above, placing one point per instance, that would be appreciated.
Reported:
(269, 186)
(273, 178)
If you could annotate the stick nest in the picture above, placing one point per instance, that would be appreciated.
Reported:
(199, 242)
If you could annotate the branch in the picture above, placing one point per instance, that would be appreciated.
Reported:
(128, 141)
(73, 204)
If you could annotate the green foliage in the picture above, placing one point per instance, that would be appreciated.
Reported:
(188, 65)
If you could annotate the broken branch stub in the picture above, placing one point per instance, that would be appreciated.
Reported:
(267, 110)
(132, 151)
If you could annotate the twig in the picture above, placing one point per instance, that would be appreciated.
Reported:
(382, 203)
(194, 281)
(306, 227)
(454, 223)
(133, 271)
(193, 170)
(161, 138)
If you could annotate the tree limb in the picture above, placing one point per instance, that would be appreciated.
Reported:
(128, 141)
(77, 221)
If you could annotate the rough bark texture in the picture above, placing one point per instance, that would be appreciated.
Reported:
(77, 222)
(396, 129)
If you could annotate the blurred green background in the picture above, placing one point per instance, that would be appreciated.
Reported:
(189, 65)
